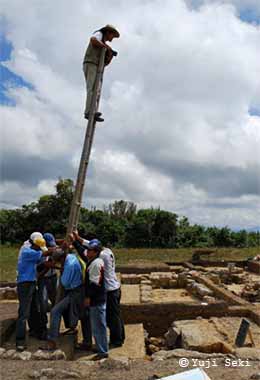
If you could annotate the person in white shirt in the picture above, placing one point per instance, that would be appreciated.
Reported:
(113, 290)
(114, 320)
(97, 41)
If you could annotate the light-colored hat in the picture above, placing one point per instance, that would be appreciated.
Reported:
(36, 235)
(111, 28)
(41, 243)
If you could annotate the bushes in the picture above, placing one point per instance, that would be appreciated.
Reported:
(119, 224)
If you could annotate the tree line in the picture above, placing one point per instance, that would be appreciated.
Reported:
(119, 224)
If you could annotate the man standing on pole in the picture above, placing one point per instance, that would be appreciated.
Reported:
(91, 60)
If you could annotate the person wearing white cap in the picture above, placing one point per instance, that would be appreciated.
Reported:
(91, 60)
(29, 257)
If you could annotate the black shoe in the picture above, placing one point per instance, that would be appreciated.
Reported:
(115, 345)
(98, 118)
(99, 357)
(84, 347)
(97, 115)
(43, 336)
(20, 347)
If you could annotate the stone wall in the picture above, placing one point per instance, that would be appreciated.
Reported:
(157, 317)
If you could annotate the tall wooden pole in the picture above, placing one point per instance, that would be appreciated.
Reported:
(84, 161)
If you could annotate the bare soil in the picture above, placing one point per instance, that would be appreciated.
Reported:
(173, 295)
(139, 370)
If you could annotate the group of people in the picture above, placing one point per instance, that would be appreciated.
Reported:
(87, 290)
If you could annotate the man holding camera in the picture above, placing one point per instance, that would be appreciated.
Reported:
(91, 60)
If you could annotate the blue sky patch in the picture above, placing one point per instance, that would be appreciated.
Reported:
(254, 111)
(8, 77)
(249, 15)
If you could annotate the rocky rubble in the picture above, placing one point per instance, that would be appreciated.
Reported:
(251, 292)
(154, 345)
(133, 279)
(172, 336)
(199, 290)
(255, 376)
(164, 280)
(115, 363)
(181, 353)
(26, 355)
(8, 293)
(50, 373)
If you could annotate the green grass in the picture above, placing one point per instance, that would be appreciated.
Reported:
(124, 256)
(8, 261)
(8, 257)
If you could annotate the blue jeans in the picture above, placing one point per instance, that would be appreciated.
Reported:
(70, 307)
(26, 294)
(56, 314)
(99, 327)
(46, 291)
(47, 288)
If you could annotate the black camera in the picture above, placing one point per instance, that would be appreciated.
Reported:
(114, 53)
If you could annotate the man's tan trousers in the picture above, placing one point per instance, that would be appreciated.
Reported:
(90, 72)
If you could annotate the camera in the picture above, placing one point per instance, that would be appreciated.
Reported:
(114, 53)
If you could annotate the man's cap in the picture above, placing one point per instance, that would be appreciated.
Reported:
(50, 239)
(36, 235)
(94, 244)
(41, 243)
(111, 28)
(85, 243)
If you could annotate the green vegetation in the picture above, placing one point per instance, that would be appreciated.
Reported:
(135, 235)
(119, 225)
(8, 257)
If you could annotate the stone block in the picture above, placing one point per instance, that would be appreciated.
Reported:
(171, 337)
(41, 355)
(248, 353)
(34, 374)
(201, 336)
(9, 354)
(65, 374)
(173, 284)
(255, 376)
(182, 280)
(2, 351)
(58, 355)
(48, 372)
(25, 355)
(115, 363)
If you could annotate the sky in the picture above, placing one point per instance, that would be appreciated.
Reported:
(181, 104)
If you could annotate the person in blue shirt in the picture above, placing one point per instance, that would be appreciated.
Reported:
(29, 256)
(71, 281)
(47, 286)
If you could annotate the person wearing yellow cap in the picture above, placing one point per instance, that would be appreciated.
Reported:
(97, 41)
(29, 257)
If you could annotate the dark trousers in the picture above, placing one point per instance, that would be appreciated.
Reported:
(114, 319)
(46, 291)
(27, 297)
(86, 326)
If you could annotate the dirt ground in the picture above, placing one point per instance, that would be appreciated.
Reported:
(173, 295)
(139, 370)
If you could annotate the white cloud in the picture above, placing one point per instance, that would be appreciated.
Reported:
(176, 101)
